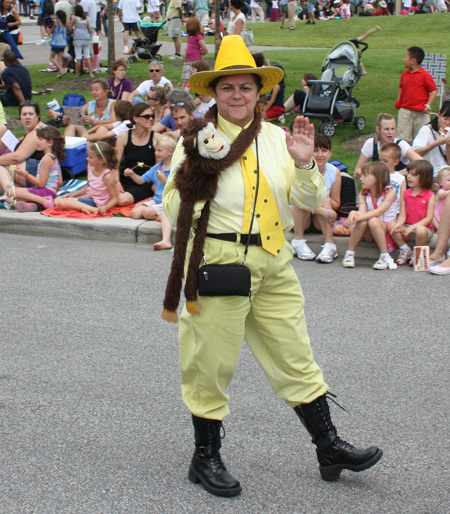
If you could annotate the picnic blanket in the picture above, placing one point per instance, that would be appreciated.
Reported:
(55, 212)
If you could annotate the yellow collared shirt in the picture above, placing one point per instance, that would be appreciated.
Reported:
(289, 185)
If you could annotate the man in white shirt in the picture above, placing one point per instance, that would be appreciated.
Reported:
(156, 70)
(90, 9)
(129, 16)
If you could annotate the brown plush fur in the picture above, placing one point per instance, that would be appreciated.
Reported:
(196, 179)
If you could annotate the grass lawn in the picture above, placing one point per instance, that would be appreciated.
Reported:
(376, 91)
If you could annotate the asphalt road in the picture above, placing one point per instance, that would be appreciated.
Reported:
(91, 416)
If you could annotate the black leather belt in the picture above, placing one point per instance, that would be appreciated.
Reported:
(174, 18)
(255, 239)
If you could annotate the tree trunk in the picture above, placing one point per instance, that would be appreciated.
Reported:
(111, 35)
(217, 27)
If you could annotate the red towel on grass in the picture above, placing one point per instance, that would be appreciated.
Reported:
(55, 212)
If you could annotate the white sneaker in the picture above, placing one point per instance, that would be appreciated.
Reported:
(41, 42)
(380, 264)
(175, 57)
(383, 263)
(349, 261)
(328, 254)
(281, 119)
(303, 252)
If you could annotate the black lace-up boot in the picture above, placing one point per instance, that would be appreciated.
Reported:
(207, 466)
(333, 453)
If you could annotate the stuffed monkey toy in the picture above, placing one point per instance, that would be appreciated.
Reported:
(208, 152)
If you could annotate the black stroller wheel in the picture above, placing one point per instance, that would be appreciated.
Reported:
(327, 129)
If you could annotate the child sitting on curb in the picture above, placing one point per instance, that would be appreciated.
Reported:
(164, 145)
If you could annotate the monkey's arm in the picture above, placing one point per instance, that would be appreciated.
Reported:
(171, 196)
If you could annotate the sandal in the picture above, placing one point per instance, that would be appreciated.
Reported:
(436, 261)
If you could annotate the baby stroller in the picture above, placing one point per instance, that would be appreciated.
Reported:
(330, 98)
(147, 47)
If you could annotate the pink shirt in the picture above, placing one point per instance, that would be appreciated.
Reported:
(345, 11)
(416, 206)
(97, 189)
(193, 48)
(438, 206)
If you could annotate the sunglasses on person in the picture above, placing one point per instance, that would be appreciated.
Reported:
(178, 104)
(146, 116)
(151, 97)
(153, 71)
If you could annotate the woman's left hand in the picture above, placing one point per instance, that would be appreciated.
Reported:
(301, 144)
(87, 120)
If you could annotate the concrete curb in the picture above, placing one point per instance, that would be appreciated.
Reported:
(127, 230)
(123, 230)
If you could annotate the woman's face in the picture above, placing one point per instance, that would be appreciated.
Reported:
(29, 118)
(119, 73)
(236, 97)
(444, 121)
(6, 5)
(322, 156)
(145, 119)
(98, 93)
(151, 98)
(386, 131)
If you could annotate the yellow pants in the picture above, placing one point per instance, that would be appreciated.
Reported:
(272, 324)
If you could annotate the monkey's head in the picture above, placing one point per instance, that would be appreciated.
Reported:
(203, 138)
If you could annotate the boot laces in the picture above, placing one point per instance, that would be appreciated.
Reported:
(331, 397)
(343, 444)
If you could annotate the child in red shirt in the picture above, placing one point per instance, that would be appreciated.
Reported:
(416, 95)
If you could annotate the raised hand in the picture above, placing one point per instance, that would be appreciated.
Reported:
(301, 144)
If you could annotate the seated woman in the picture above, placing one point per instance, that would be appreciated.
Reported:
(297, 100)
(135, 152)
(323, 218)
(11, 21)
(433, 140)
(120, 86)
(157, 98)
(25, 151)
(274, 107)
(99, 111)
(385, 133)
(122, 108)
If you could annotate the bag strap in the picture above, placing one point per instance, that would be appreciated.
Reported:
(254, 203)
(439, 146)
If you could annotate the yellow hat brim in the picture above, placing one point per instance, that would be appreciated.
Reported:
(270, 77)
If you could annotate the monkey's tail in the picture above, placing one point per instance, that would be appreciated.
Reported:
(174, 282)
(191, 285)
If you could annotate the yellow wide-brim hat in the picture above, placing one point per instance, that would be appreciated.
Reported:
(234, 58)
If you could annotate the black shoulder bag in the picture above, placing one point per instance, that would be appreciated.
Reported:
(229, 279)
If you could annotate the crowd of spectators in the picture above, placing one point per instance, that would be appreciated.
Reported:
(130, 120)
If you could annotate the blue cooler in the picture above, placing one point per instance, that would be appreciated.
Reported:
(76, 155)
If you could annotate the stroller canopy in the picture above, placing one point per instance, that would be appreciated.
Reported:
(342, 64)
